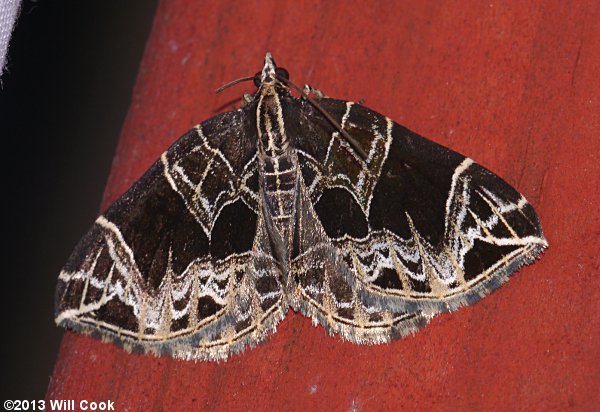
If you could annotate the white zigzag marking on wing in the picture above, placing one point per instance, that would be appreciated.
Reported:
(374, 253)
(347, 114)
(464, 165)
(314, 165)
(177, 286)
(173, 185)
(166, 173)
(213, 150)
(362, 191)
(204, 211)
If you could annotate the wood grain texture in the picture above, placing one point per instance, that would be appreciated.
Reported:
(515, 86)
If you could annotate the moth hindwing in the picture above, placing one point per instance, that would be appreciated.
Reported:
(316, 204)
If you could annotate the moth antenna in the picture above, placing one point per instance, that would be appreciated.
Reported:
(233, 83)
(351, 140)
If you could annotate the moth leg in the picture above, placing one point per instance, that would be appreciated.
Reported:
(316, 92)
(246, 99)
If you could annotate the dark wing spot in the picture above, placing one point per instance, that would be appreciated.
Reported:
(207, 307)
(388, 279)
(233, 231)
(340, 214)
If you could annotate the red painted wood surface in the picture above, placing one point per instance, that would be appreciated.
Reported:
(515, 86)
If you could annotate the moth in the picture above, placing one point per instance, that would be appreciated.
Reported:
(310, 203)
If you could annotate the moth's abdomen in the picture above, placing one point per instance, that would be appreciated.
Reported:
(280, 175)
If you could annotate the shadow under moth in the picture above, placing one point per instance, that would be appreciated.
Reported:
(313, 203)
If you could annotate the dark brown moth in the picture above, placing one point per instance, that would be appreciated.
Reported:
(317, 204)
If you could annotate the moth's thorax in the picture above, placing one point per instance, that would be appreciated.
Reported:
(273, 140)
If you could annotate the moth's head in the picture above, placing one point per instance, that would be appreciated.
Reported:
(270, 78)
(268, 74)
(271, 74)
